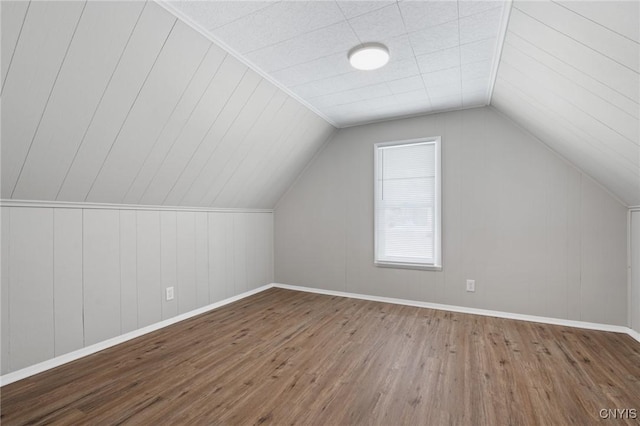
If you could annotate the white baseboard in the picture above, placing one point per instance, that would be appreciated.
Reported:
(80, 353)
(475, 311)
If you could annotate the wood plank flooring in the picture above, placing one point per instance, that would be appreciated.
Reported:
(287, 357)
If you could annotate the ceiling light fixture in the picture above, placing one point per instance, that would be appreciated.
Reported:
(369, 56)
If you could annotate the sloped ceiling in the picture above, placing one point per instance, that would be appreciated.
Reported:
(443, 53)
(120, 102)
(569, 73)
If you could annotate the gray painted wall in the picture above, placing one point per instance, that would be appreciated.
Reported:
(75, 277)
(537, 235)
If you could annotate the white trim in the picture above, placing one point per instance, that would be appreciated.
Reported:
(89, 350)
(466, 310)
(168, 6)
(634, 208)
(83, 205)
(80, 353)
(502, 33)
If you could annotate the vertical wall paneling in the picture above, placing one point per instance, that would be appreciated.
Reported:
(128, 79)
(12, 14)
(73, 277)
(220, 259)
(202, 259)
(128, 271)
(93, 54)
(186, 262)
(67, 280)
(101, 266)
(45, 37)
(168, 258)
(31, 318)
(5, 229)
(150, 292)
(266, 249)
(240, 252)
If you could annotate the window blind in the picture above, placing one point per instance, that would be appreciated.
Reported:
(406, 209)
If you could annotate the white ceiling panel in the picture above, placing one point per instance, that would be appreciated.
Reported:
(440, 60)
(257, 30)
(382, 23)
(225, 13)
(303, 47)
(569, 74)
(419, 15)
(480, 26)
(352, 9)
(478, 50)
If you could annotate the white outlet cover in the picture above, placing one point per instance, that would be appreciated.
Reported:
(169, 293)
(471, 285)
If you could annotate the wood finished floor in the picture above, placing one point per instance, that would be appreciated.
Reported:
(286, 357)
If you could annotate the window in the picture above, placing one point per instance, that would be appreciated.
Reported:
(407, 204)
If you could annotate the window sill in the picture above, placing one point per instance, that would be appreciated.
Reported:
(399, 265)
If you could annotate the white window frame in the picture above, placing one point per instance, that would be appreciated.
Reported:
(437, 264)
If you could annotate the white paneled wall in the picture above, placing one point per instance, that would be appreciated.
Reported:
(121, 102)
(72, 277)
(538, 235)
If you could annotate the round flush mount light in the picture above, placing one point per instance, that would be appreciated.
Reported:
(369, 56)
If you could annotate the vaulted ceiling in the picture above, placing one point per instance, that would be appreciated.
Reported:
(443, 53)
(222, 104)
(121, 102)
(569, 73)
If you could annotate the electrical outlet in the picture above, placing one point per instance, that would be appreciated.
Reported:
(471, 285)
(169, 293)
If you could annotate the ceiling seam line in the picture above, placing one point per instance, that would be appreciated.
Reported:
(166, 123)
(15, 47)
(135, 100)
(577, 41)
(164, 200)
(573, 67)
(153, 178)
(215, 149)
(574, 105)
(614, 155)
(46, 104)
(595, 22)
(244, 158)
(95, 111)
(567, 78)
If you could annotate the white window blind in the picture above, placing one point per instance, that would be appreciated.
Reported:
(407, 203)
